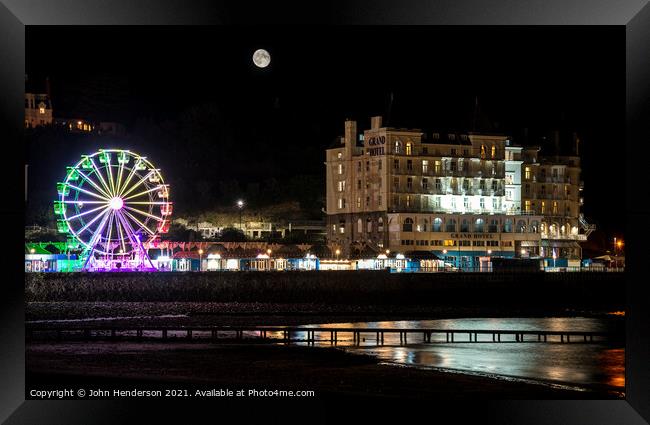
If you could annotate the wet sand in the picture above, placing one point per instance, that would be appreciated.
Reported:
(329, 372)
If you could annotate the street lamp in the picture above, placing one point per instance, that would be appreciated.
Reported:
(554, 257)
(200, 259)
(268, 252)
(240, 205)
(338, 251)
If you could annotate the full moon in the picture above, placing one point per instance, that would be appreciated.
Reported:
(261, 58)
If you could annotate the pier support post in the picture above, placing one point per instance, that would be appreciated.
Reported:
(189, 334)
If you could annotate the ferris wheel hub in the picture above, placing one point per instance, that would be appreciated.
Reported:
(116, 203)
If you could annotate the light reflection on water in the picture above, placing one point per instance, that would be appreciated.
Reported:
(575, 363)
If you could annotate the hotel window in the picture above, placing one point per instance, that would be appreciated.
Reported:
(425, 150)
(339, 155)
(451, 225)
(340, 168)
(436, 202)
(398, 147)
(465, 184)
(396, 184)
(425, 166)
(359, 184)
(543, 189)
(454, 152)
(425, 184)
(543, 207)
(527, 173)
(567, 190)
(452, 165)
(359, 226)
(436, 225)
(494, 152)
(482, 184)
(380, 224)
(341, 203)
(449, 242)
(396, 164)
(409, 183)
(408, 148)
(409, 165)
(465, 152)
(494, 185)
(494, 203)
(527, 189)
(482, 203)
(554, 207)
(334, 228)
(379, 164)
(438, 185)
(478, 243)
(453, 203)
(367, 201)
(41, 109)
(408, 225)
(369, 225)
(437, 167)
(479, 225)
(379, 200)
(506, 243)
(342, 227)
(367, 165)
(464, 226)
(342, 186)
(482, 151)
(408, 201)
(358, 166)
(466, 203)
(527, 206)
(494, 226)
(367, 185)
(358, 202)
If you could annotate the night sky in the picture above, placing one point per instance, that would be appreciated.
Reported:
(192, 99)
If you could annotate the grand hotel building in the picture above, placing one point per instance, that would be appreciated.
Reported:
(463, 197)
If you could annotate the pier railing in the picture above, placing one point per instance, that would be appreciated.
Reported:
(310, 335)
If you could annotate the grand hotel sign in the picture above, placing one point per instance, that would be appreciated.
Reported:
(471, 235)
(375, 145)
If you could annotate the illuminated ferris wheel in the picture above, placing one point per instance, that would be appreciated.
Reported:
(113, 202)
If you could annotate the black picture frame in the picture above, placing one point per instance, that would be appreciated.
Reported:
(633, 14)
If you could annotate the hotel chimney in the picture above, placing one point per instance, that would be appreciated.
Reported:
(375, 122)
(350, 138)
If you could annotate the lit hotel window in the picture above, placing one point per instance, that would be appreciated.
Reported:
(543, 207)
(408, 201)
(482, 151)
(41, 110)
(408, 148)
(437, 167)
(341, 203)
(339, 155)
(340, 168)
(425, 166)
(527, 206)
(494, 151)
(527, 173)
(358, 202)
(554, 207)
(342, 186)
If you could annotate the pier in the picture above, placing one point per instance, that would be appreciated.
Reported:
(309, 335)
